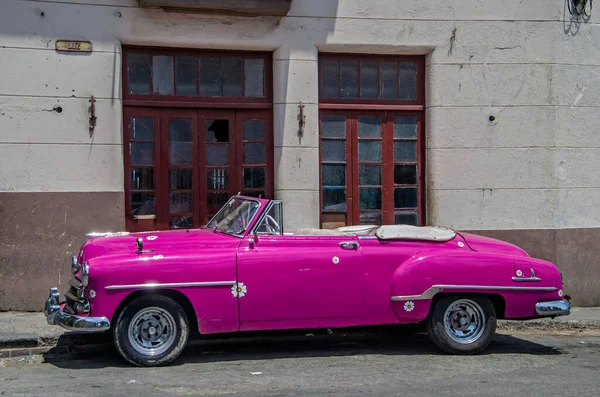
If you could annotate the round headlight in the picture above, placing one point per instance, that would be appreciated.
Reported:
(74, 265)
(85, 272)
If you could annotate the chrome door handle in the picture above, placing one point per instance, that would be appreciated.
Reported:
(349, 245)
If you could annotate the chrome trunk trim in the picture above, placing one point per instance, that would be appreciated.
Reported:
(429, 293)
(173, 285)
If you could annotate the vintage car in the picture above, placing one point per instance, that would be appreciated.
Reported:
(241, 272)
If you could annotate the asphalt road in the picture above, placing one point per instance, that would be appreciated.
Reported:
(374, 364)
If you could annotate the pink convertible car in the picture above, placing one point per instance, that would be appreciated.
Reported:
(241, 272)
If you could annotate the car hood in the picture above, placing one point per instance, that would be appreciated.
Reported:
(158, 242)
(491, 245)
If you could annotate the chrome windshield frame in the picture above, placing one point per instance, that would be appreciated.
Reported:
(250, 223)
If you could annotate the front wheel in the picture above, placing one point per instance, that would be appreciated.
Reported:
(462, 325)
(151, 331)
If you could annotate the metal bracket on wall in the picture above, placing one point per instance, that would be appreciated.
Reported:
(301, 120)
(92, 114)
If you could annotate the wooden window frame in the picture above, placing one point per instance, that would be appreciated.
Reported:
(388, 110)
(199, 109)
(156, 100)
(374, 103)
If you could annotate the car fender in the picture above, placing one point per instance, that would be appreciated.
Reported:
(417, 281)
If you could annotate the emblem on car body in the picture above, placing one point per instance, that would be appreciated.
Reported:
(409, 306)
(238, 290)
(336, 260)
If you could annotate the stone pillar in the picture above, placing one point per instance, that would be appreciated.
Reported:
(295, 76)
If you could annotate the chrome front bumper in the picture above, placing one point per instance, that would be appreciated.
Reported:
(55, 316)
(553, 308)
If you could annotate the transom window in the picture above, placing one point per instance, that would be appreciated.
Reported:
(196, 76)
(371, 160)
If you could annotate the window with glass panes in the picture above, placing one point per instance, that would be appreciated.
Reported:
(371, 140)
(197, 130)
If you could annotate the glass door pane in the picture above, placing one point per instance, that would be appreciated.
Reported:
(180, 189)
(141, 137)
(254, 157)
(217, 159)
(406, 172)
(369, 133)
(334, 163)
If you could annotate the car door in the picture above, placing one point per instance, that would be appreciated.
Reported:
(299, 278)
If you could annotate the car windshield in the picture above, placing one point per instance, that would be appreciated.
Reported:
(235, 216)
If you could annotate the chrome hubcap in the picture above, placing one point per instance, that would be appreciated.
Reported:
(152, 331)
(464, 321)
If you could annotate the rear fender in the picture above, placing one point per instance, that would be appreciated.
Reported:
(417, 281)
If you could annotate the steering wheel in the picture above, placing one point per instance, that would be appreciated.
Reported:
(271, 225)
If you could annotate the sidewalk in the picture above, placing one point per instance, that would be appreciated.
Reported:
(29, 333)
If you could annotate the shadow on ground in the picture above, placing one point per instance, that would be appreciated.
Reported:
(295, 344)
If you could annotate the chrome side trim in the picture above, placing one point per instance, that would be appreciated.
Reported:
(173, 285)
(526, 279)
(429, 293)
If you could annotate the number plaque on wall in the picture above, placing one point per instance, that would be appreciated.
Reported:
(73, 46)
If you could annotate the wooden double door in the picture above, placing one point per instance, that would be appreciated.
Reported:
(182, 165)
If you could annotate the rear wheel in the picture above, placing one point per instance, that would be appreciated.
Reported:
(151, 330)
(462, 325)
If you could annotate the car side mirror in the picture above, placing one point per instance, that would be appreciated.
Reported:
(253, 240)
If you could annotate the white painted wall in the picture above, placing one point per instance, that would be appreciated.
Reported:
(535, 166)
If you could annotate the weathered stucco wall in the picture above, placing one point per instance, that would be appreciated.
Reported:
(537, 74)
